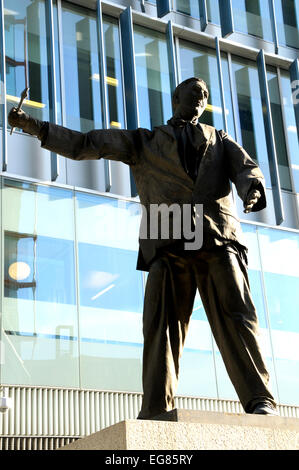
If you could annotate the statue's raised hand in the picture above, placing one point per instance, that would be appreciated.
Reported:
(22, 120)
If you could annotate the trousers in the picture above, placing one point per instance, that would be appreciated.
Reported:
(222, 280)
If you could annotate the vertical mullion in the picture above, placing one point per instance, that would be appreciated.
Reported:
(127, 40)
(171, 56)
(52, 80)
(103, 74)
(61, 61)
(3, 88)
(275, 180)
(77, 283)
(178, 59)
(203, 14)
(294, 74)
(234, 96)
(220, 77)
(226, 17)
(274, 25)
(163, 7)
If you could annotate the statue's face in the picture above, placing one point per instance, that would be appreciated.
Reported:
(191, 102)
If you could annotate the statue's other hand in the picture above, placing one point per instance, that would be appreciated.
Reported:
(252, 198)
(24, 121)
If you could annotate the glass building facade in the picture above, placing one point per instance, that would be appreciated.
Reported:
(71, 297)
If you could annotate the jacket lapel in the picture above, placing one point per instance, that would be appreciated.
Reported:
(203, 137)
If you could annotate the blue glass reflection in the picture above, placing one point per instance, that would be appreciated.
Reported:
(39, 268)
(108, 278)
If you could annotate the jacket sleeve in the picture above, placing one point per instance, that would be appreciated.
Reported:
(243, 171)
(113, 144)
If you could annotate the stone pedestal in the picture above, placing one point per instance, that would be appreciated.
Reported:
(196, 430)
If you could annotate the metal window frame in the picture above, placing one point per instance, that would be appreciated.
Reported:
(294, 75)
(3, 88)
(203, 11)
(61, 61)
(52, 80)
(274, 25)
(267, 114)
(226, 18)
(171, 56)
(130, 81)
(103, 88)
(220, 77)
(163, 7)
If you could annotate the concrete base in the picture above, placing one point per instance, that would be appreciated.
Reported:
(196, 430)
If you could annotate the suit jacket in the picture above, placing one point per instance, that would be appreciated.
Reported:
(160, 177)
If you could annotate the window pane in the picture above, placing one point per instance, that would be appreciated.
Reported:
(39, 304)
(253, 17)
(226, 390)
(81, 68)
(111, 293)
(153, 77)
(287, 20)
(197, 374)
(213, 11)
(189, 7)
(280, 143)
(26, 55)
(280, 261)
(290, 120)
(251, 113)
(114, 73)
(201, 62)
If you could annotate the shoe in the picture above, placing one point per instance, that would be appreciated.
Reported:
(264, 408)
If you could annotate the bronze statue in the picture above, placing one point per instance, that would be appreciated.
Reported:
(185, 163)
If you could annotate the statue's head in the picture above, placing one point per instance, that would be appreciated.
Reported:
(190, 98)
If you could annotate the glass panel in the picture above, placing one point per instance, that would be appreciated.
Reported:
(253, 17)
(225, 387)
(81, 68)
(202, 62)
(39, 326)
(189, 7)
(197, 372)
(251, 113)
(111, 293)
(26, 55)
(291, 126)
(153, 77)
(287, 20)
(114, 73)
(277, 120)
(213, 11)
(280, 261)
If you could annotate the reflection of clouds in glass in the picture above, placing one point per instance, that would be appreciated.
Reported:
(99, 279)
(280, 256)
(286, 344)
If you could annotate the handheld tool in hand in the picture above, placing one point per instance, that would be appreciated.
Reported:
(23, 97)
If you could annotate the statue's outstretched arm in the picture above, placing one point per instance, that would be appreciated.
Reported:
(113, 144)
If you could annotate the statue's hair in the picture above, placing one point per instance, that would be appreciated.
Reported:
(185, 82)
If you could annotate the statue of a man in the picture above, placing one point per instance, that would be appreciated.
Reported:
(188, 164)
